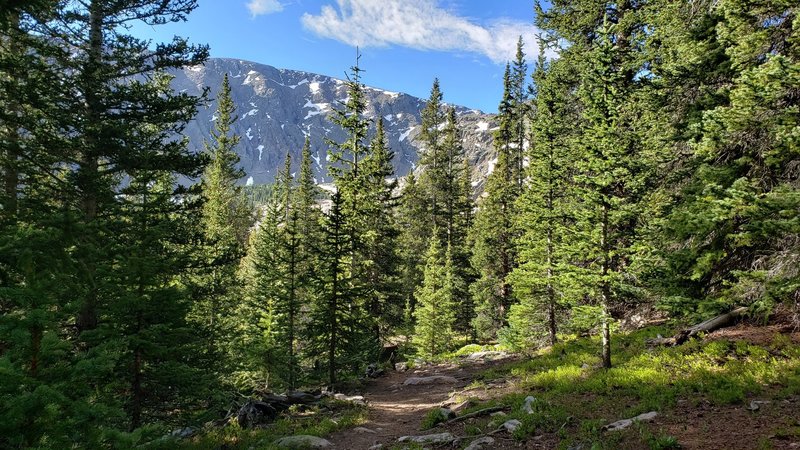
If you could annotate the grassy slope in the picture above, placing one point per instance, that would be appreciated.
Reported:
(703, 380)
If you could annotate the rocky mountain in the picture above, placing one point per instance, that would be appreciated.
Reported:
(278, 108)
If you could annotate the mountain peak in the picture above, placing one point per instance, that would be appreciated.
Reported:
(278, 108)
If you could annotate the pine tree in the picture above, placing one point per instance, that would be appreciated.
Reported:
(493, 256)
(541, 281)
(440, 198)
(736, 216)
(226, 219)
(435, 313)
(99, 127)
(610, 183)
(335, 315)
(380, 235)
(412, 220)
(519, 109)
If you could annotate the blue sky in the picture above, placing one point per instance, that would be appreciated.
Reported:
(404, 43)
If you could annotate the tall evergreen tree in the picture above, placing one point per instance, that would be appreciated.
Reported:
(612, 175)
(412, 220)
(519, 109)
(380, 236)
(736, 218)
(436, 311)
(541, 281)
(225, 222)
(493, 253)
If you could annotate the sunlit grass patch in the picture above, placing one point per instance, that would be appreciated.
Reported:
(569, 377)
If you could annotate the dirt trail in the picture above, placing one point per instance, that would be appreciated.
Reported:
(397, 410)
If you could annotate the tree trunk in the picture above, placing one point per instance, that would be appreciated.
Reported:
(605, 290)
(708, 326)
(88, 171)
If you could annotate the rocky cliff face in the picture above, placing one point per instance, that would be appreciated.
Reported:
(278, 108)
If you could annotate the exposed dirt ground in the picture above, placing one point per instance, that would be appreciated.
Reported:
(396, 410)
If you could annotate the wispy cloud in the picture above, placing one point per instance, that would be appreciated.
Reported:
(261, 7)
(420, 24)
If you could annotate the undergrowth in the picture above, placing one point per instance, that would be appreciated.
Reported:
(320, 421)
(574, 393)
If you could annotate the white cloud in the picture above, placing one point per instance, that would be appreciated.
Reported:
(420, 24)
(261, 7)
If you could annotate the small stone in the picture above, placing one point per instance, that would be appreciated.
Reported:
(376, 447)
(584, 366)
(480, 443)
(439, 438)
(363, 430)
(302, 441)
(755, 405)
(447, 413)
(497, 414)
(625, 423)
(527, 406)
(512, 425)
(355, 399)
(401, 366)
(488, 355)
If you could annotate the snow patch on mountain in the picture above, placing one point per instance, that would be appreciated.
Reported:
(405, 134)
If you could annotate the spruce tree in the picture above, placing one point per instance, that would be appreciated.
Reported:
(436, 307)
(380, 236)
(612, 175)
(412, 220)
(493, 252)
(225, 222)
(544, 220)
(335, 315)
(736, 215)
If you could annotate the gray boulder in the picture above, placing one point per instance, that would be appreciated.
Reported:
(438, 438)
(303, 441)
(480, 443)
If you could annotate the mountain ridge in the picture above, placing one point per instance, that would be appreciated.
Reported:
(278, 108)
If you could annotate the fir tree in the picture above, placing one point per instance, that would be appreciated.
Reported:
(225, 222)
(541, 281)
(610, 183)
(493, 256)
(412, 220)
(736, 216)
(435, 314)
(380, 235)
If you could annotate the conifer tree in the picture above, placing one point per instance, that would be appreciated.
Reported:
(380, 235)
(493, 256)
(440, 198)
(735, 219)
(519, 109)
(412, 220)
(226, 219)
(435, 314)
(333, 329)
(612, 175)
(541, 281)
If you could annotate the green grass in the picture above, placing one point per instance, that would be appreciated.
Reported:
(569, 383)
(330, 417)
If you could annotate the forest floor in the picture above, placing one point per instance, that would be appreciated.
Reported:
(736, 388)
(396, 410)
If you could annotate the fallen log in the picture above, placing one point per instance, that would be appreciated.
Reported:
(715, 323)
(478, 413)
